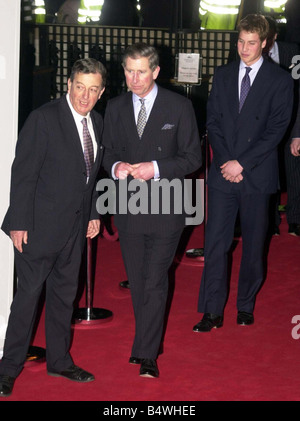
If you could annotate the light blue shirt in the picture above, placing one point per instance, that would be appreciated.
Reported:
(254, 69)
(149, 101)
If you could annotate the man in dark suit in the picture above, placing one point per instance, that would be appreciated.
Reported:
(280, 53)
(292, 167)
(167, 150)
(243, 131)
(52, 210)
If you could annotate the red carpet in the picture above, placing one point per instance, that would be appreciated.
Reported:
(234, 363)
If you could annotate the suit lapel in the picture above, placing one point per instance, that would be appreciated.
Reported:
(257, 90)
(256, 94)
(70, 132)
(157, 114)
(128, 121)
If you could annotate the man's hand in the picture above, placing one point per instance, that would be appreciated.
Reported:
(18, 238)
(143, 171)
(295, 146)
(122, 170)
(232, 171)
(93, 228)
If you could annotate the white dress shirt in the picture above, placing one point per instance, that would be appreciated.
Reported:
(274, 53)
(78, 120)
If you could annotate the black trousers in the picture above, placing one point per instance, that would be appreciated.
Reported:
(147, 259)
(222, 212)
(60, 273)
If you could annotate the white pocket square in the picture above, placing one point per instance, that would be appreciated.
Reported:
(168, 126)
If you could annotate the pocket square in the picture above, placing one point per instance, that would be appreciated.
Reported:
(168, 126)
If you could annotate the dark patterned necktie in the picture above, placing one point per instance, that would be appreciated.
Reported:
(245, 87)
(142, 118)
(88, 150)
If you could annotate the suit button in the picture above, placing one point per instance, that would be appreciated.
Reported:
(159, 148)
(249, 140)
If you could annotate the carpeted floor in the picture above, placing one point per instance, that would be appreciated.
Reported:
(234, 363)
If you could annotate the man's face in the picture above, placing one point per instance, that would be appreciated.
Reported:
(139, 77)
(84, 91)
(250, 47)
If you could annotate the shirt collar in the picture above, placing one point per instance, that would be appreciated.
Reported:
(150, 97)
(255, 66)
(78, 117)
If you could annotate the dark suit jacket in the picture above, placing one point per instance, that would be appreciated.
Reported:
(296, 126)
(252, 136)
(287, 50)
(170, 137)
(48, 183)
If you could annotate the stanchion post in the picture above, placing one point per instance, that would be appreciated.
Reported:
(90, 315)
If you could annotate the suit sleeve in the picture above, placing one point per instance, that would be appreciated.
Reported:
(31, 150)
(216, 138)
(110, 157)
(98, 127)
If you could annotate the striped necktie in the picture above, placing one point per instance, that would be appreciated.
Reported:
(142, 118)
(88, 150)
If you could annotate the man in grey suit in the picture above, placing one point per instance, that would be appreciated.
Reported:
(167, 149)
(52, 210)
(248, 112)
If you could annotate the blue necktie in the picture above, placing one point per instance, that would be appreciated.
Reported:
(245, 87)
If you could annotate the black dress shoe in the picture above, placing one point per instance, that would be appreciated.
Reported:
(149, 368)
(74, 373)
(244, 318)
(6, 385)
(135, 360)
(195, 253)
(208, 322)
(124, 284)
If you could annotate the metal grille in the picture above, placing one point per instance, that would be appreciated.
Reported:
(59, 46)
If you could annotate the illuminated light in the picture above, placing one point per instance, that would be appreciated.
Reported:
(39, 11)
(275, 4)
(226, 3)
(39, 3)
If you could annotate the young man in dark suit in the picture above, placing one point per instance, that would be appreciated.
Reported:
(52, 210)
(167, 149)
(244, 131)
